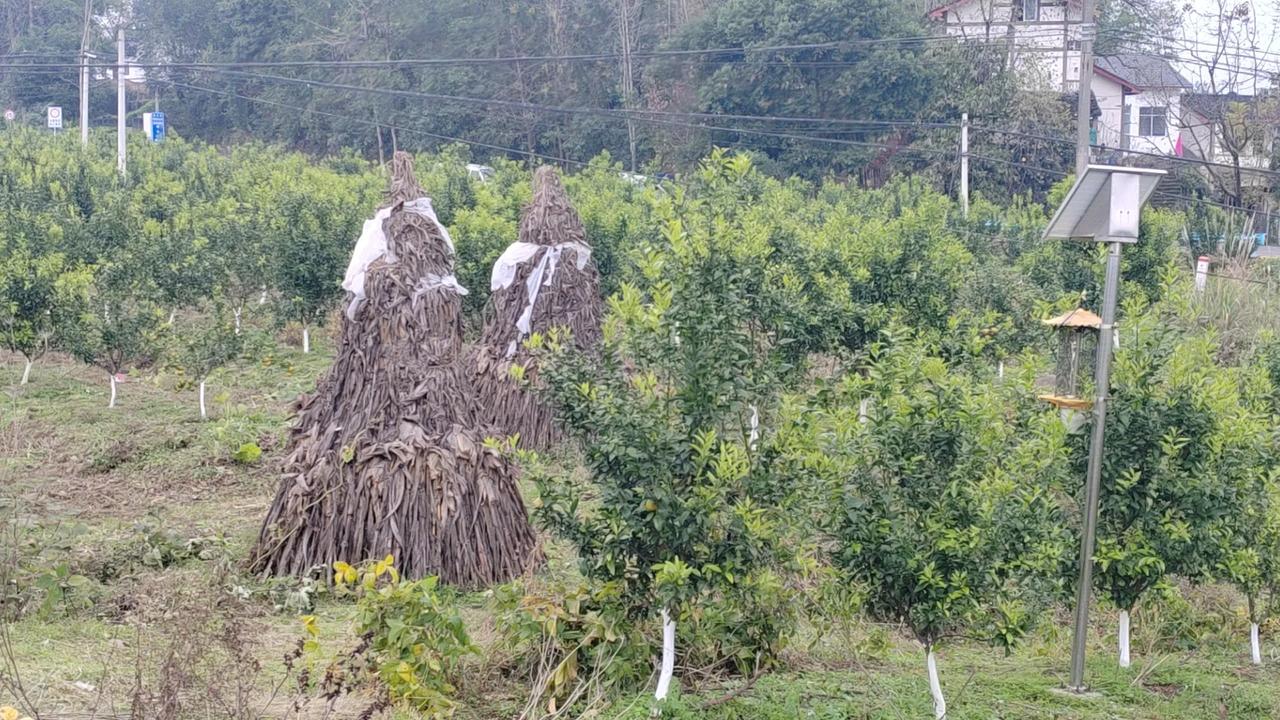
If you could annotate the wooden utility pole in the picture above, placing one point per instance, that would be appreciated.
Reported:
(1084, 107)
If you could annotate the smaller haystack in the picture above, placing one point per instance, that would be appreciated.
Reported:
(386, 456)
(544, 280)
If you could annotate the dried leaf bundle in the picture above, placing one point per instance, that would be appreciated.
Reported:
(554, 259)
(385, 457)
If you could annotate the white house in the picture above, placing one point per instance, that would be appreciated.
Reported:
(1141, 99)
(1042, 36)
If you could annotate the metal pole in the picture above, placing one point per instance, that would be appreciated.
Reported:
(84, 98)
(120, 104)
(964, 164)
(1102, 378)
(1084, 105)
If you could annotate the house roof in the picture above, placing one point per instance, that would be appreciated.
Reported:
(1142, 71)
(1212, 106)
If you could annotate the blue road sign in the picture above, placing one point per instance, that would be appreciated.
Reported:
(157, 126)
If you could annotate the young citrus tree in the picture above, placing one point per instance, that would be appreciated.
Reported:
(315, 224)
(1171, 475)
(662, 416)
(41, 298)
(119, 326)
(1252, 560)
(944, 505)
(212, 341)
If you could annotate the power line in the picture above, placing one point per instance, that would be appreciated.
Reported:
(838, 45)
(371, 123)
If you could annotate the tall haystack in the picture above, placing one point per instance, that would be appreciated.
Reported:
(544, 280)
(386, 457)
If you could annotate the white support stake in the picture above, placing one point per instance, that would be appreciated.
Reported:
(306, 339)
(204, 415)
(935, 687)
(1202, 272)
(1124, 639)
(1255, 648)
(668, 656)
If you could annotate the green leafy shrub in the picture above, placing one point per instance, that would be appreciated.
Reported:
(569, 641)
(410, 631)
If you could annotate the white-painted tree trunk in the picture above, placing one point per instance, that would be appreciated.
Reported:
(26, 372)
(755, 427)
(935, 687)
(112, 402)
(1124, 638)
(1000, 370)
(864, 410)
(204, 415)
(262, 299)
(173, 314)
(306, 339)
(1255, 648)
(668, 656)
(237, 313)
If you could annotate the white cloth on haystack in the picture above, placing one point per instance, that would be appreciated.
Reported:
(504, 273)
(372, 245)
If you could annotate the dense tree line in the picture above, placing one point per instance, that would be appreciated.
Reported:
(572, 108)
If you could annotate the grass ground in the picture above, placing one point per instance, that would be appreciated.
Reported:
(147, 504)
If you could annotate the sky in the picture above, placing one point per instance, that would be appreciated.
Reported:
(1200, 29)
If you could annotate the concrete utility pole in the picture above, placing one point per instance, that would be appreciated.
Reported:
(1084, 107)
(964, 164)
(84, 73)
(120, 104)
(84, 98)
(628, 79)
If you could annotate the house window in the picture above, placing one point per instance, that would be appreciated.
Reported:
(1153, 121)
(1026, 10)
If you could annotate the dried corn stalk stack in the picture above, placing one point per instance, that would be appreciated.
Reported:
(544, 280)
(385, 457)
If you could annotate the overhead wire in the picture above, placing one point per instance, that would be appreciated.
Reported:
(370, 123)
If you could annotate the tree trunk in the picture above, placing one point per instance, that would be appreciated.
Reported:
(238, 311)
(668, 656)
(26, 372)
(935, 687)
(1124, 639)
(204, 415)
(306, 339)
(112, 402)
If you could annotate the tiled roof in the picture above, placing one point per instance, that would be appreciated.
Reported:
(1143, 71)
